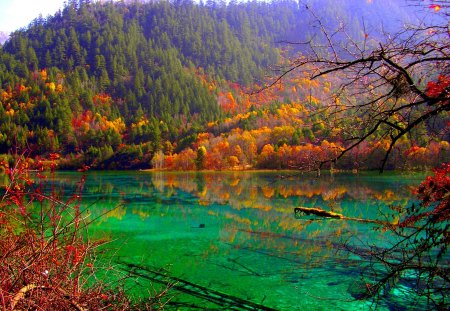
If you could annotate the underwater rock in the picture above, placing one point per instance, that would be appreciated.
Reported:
(200, 226)
(361, 290)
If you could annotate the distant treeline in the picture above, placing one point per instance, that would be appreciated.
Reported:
(112, 84)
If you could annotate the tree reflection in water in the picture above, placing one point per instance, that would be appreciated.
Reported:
(236, 232)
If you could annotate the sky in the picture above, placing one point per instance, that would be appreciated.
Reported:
(16, 14)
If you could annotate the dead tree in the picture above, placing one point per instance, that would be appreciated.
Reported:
(389, 87)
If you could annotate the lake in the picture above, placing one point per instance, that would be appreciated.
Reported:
(234, 237)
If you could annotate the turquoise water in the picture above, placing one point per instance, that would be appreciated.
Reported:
(235, 232)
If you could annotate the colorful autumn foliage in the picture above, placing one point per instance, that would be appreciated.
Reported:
(435, 7)
(439, 88)
(282, 126)
(434, 195)
(106, 105)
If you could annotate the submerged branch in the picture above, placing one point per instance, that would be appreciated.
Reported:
(229, 301)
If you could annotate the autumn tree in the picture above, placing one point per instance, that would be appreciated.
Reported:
(390, 87)
(394, 86)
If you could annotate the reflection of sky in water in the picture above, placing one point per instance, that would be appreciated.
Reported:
(235, 232)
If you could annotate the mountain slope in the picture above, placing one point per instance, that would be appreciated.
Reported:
(112, 84)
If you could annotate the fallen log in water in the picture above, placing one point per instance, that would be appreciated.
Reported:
(317, 211)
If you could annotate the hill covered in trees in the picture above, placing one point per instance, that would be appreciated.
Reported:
(167, 85)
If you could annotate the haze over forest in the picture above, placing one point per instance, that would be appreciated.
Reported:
(157, 84)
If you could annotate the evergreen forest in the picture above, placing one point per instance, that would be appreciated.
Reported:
(181, 85)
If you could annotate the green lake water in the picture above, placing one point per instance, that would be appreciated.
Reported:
(236, 232)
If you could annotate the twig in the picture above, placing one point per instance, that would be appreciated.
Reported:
(22, 292)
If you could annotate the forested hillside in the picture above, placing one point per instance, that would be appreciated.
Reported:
(166, 85)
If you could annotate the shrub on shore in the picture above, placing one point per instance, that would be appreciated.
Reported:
(47, 260)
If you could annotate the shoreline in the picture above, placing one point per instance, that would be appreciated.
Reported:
(355, 172)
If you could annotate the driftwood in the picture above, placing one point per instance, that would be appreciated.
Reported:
(317, 211)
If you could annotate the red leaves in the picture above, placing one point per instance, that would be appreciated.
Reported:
(102, 99)
(435, 7)
(437, 89)
(411, 150)
(84, 168)
(75, 253)
(434, 192)
(435, 188)
(54, 156)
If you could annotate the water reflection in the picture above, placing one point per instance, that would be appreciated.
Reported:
(236, 232)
